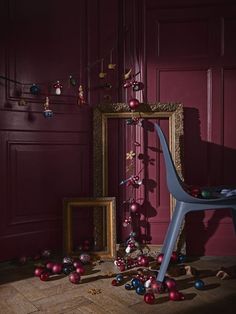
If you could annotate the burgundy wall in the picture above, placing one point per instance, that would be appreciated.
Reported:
(185, 52)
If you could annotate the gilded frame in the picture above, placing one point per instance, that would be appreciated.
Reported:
(105, 209)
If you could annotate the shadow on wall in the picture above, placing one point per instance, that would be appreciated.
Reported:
(205, 164)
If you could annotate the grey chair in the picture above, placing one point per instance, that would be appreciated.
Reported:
(185, 203)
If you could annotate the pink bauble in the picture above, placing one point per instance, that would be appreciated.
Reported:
(174, 257)
(175, 295)
(160, 258)
(157, 287)
(38, 271)
(74, 277)
(134, 207)
(77, 263)
(49, 265)
(144, 261)
(149, 298)
(57, 268)
(44, 276)
(170, 284)
(134, 103)
(85, 258)
(80, 270)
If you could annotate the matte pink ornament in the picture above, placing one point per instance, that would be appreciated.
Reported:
(134, 103)
(74, 277)
(149, 298)
(175, 295)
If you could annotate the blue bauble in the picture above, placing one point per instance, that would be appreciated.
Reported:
(48, 113)
(140, 290)
(67, 269)
(135, 282)
(128, 286)
(199, 284)
(119, 278)
(34, 89)
(181, 258)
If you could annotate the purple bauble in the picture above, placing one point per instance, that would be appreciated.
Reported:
(134, 207)
(149, 298)
(74, 277)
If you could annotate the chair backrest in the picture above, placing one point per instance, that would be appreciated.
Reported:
(174, 182)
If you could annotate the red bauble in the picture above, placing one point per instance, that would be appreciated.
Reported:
(77, 263)
(121, 267)
(160, 258)
(80, 270)
(170, 284)
(175, 295)
(74, 277)
(144, 261)
(134, 103)
(114, 282)
(134, 207)
(44, 276)
(49, 265)
(38, 271)
(57, 268)
(149, 298)
(174, 257)
(157, 287)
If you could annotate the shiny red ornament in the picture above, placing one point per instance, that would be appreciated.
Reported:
(134, 103)
(74, 277)
(38, 271)
(114, 282)
(160, 258)
(57, 268)
(174, 257)
(175, 295)
(170, 284)
(44, 276)
(157, 287)
(49, 265)
(149, 298)
(134, 207)
(77, 263)
(80, 270)
(144, 261)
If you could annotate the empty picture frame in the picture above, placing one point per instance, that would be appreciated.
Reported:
(89, 226)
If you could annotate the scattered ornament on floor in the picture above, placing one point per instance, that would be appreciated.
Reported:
(133, 103)
(119, 278)
(81, 99)
(114, 282)
(175, 295)
(58, 88)
(199, 284)
(34, 89)
(74, 277)
(38, 271)
(149, 298)
(85, 258)
(141, 290)
(159, 258)
(47, 112)
(170, 283)
(44, 276)
(57, 268)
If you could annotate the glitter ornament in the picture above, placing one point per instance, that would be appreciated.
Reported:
(149, 298)
(134, 103)
(67, 260)
(74, 277)
(199, 284)
(84, 258)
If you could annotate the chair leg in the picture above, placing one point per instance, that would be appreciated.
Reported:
(170, 241)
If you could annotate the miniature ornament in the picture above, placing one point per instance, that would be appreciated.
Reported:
(44, 276)
(149, 298)
(67, 269)
(134, 103)
(47, 112)
(199, 284)
(34, 89)
(57, 268)
(84, 258)
(111, 65)
(38, 271)
(141, 290)
(134, 206)
(74, 277)
(81, 100)
(80, 270)
(170, 283)
(58, 88)
(175, 295)
(67, 260)
(102, 74)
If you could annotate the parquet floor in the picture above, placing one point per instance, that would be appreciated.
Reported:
(21, 292)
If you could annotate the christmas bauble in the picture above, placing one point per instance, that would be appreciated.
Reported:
(199, 284)
(175, 295)
(114, 282)
(57, 268)
(137, 86)
(44, 276)
(140, 290)
(144, 261)
(135, 282)
(157, 287)
(38, 271)
(149, 298)
(77, 263)
(160, 258)
(134, 103)
(49, 265)
(128, 286)
(181, 258)
(74, 277)
(34, 89)
(119, 278)
(67, 269)
(174, 257)
(85, 258)
(67, 260)
(170, 283)
(48, 113)
(134, 207)
(80, 270)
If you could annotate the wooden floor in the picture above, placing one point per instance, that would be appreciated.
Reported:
(21, 292)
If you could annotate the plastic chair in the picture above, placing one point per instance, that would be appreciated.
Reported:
(185, 203)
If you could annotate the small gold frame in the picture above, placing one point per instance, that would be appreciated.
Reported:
(104, 213)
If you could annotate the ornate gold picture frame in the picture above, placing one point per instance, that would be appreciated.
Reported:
(103, 225)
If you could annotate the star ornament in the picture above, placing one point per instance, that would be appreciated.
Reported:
(130, 155)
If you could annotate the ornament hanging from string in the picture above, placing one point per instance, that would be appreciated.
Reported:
(111, 65)
(102, 74)
(58, 88)
(81, 99)
(47, 112)
(72, 81)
